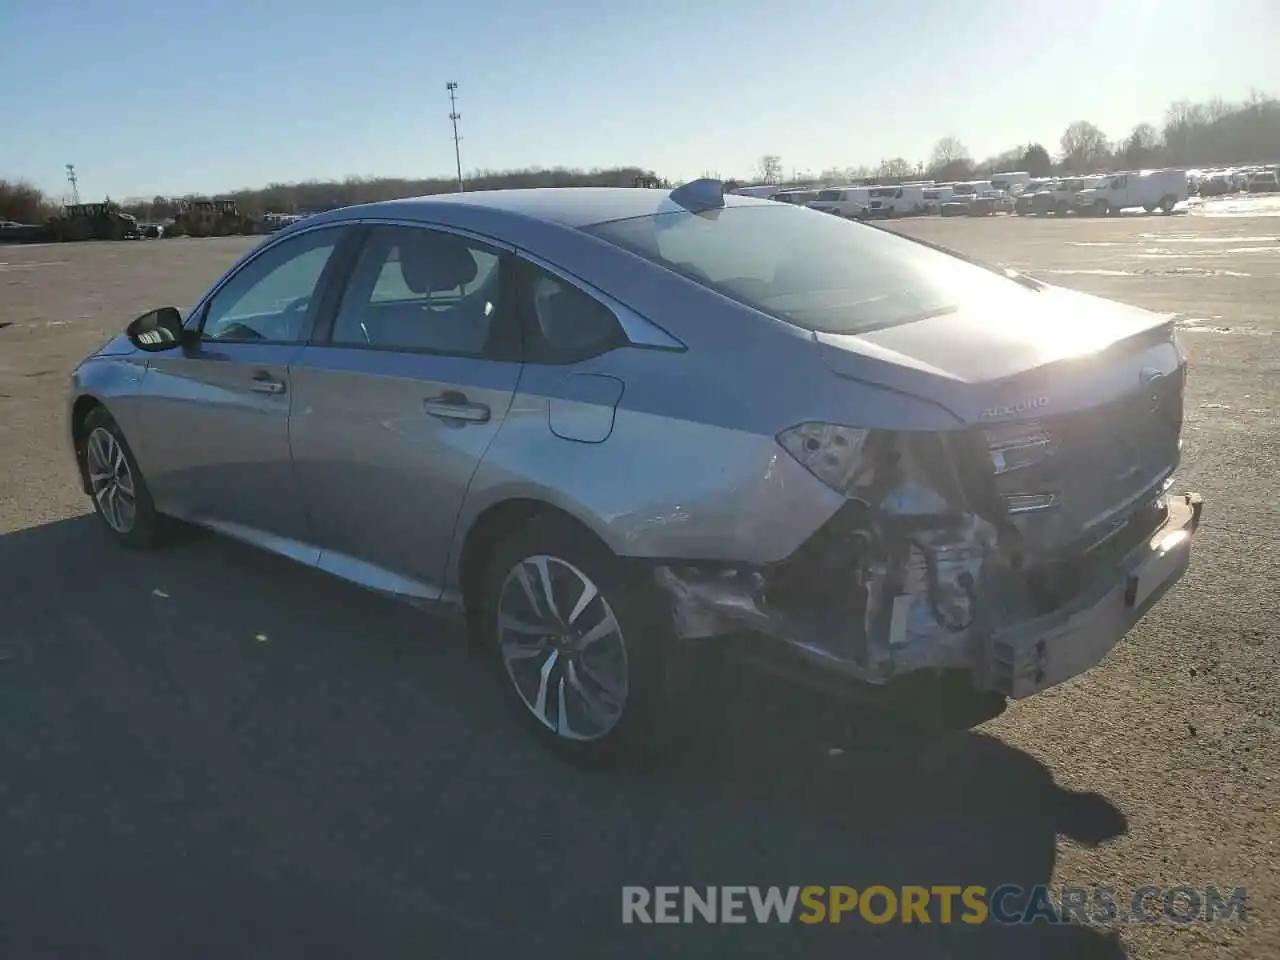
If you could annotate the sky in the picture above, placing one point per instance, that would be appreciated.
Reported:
(181, 97)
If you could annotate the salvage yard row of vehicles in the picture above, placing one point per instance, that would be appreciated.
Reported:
(1017, 192)
(1227, 180)
(108, 221)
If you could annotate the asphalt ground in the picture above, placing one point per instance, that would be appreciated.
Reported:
(210, 752)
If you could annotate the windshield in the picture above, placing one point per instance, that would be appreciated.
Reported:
(819, 272)
(829, 195)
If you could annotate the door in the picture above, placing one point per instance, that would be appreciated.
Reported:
(218, 412)
(396, 405)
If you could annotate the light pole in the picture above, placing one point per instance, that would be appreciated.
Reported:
(454, 117)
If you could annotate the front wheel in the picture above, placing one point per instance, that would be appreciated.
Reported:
(119, 492)
(579, 638)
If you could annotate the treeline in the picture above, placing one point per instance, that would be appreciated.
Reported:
(23, 202)
(315, 195)
(1213, 133)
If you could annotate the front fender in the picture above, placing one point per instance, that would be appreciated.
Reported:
(114, 381)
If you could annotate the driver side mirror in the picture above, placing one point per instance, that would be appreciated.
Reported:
(158, 330)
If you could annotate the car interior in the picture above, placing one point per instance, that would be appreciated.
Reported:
(410, 291)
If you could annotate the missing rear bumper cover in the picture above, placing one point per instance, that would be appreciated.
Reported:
(939, 599)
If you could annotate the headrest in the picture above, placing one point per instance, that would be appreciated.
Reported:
(434, 262)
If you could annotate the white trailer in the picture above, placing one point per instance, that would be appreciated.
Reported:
(1147, 189)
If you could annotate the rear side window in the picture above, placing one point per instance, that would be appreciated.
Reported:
(818, 272)
(562, 322)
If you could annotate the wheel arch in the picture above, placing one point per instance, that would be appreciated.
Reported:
(84, 405)
(488, 528)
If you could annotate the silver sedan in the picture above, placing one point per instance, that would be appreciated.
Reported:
(613, 426)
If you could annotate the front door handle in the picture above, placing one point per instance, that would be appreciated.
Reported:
(265, 383)
(452, 405)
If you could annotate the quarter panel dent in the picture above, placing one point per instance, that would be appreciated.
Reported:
(652, 491)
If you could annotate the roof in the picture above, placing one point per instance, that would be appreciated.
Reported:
(566, 206)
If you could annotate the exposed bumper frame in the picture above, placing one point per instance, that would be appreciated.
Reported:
(1015, 661)
(1032, 656)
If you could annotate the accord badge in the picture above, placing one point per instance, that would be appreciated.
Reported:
(1022, 406)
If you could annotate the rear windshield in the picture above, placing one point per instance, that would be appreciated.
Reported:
(816, 271)
(829, 195)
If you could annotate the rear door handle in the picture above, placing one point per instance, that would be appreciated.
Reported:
(265, 383)
(455, 406)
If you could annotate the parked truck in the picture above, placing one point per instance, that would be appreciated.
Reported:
(1148, 189)
(851, 201)
(1058, 196)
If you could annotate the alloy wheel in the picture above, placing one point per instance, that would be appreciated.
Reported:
(563, 648)
(111, 481)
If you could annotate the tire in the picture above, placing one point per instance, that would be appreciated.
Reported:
(1062, 208)
(111, 470)
(1167, 204)
(615, 691)
(1149, 207)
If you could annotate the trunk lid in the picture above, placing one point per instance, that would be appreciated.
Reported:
(1049, 352)
(1073, 408)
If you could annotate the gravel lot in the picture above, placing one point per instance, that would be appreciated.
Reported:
(210, 752)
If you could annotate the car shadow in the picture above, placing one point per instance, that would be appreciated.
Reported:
(211, 751)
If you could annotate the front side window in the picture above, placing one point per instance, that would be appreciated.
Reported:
(270, 297)
(820, 273)
(417, 289)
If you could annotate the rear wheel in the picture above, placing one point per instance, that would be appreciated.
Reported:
(1167, 204)
(119, 492)
(579, 639)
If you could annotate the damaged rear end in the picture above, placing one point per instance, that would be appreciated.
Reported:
(1018, 547)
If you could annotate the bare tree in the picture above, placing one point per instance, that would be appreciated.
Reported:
(770, 169)
(947, 151)
(896, 168)
(1084, 147)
